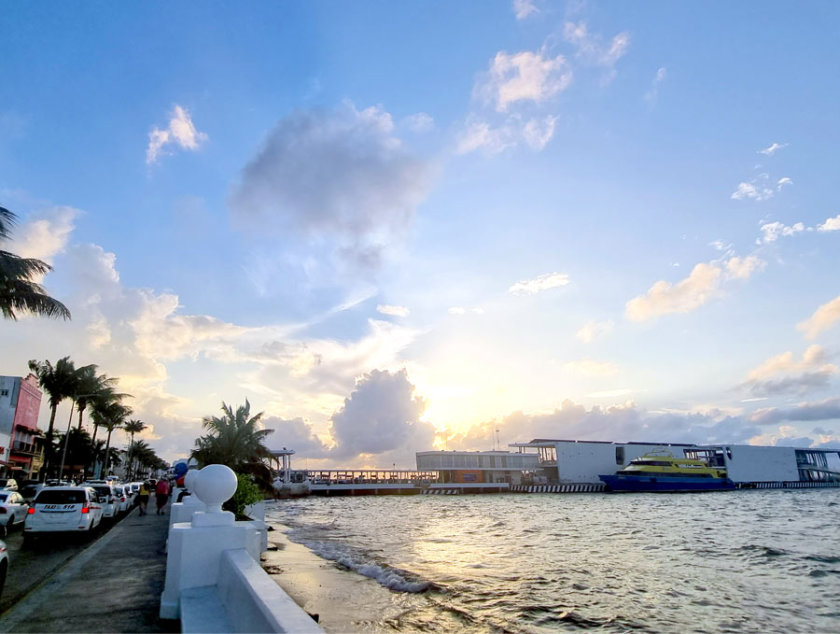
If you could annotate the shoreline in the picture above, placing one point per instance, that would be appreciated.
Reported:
(344, 601)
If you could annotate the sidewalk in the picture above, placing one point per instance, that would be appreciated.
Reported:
(112, 586)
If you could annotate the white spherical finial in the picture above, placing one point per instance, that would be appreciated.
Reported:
(189, 480)
(214, 485)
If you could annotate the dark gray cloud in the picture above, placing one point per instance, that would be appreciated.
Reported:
(800, 384)
(337, 176)
(381, 415)
(824, 410)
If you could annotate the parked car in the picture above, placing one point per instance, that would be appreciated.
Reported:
(4, 565)
(13, 510)
(123, 499)
(107, 498)
(62, 510)
(29, 491)
(8, 483)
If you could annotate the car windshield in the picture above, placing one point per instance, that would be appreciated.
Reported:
(3, 497)
(102, 490)
(60, 497)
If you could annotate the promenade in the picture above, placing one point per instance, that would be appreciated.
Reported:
(114, 585)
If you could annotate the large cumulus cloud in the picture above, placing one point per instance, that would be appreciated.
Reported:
(381, 415)
(338, 176)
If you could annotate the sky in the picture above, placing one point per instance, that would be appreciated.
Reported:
(400, 226)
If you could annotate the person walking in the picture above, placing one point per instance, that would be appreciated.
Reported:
(161, 495)
(143, 497)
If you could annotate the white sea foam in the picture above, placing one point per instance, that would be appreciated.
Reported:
(388, 577)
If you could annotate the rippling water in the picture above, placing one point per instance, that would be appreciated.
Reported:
(733, 561)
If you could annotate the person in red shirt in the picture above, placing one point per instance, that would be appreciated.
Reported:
(161, 495)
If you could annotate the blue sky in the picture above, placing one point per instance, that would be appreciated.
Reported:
(393, 226)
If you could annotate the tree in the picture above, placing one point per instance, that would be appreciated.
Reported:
(234, 439)
(90, 386)
(133, 427)
(18, 290)
(60, 382)
(110, 415)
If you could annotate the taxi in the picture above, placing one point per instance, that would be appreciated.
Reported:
(62, 510)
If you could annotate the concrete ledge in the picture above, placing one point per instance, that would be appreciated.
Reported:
(254, 602)
(202, 611)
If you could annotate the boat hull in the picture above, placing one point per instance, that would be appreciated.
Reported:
(670, 484)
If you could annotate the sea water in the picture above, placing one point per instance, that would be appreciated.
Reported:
(741, 561)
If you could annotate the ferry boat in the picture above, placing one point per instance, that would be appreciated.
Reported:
(661, 471)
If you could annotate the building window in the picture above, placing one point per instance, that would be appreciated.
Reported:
(619, 456)
(4, 392)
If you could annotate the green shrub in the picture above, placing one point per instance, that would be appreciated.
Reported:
(247, 492)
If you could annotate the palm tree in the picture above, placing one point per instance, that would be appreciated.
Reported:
(133, 427)
(18, 291)
(60, 382)
(235, 439)
(109, 415)
(90, 386)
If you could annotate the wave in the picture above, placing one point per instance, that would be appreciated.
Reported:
(391, 578)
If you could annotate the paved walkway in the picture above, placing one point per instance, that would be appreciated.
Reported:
(112, 586)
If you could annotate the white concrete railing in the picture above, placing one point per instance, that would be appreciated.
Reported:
(214, 582)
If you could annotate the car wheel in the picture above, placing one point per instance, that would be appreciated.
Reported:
(4, 568)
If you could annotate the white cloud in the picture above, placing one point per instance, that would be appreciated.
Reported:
(621, 423)
(524, 8)
(340, 178)
(663, 298)
(828, 409)
(742, 268)
(772, 231)
(419, 122)
(461, 310)
(782, 182)
(523, 76)
(591, 48)
(772, 149)
(593, 330)
(539, 284)
(590, 367)
(653, 92)
(181, 132)
(480, 135)
(831, 224)
(381, 415)
(702, 285)
(753, 191)
(823, 318)
(783, 374)
(46, 234)
(394, 311)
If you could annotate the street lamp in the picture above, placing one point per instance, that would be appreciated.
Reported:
(67, 435)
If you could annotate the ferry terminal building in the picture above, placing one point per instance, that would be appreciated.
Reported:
(554, 465)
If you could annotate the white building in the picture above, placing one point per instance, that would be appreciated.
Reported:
(582, 461)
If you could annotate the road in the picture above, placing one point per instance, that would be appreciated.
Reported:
(29, 567)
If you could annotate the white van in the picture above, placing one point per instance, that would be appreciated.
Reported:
(62, 510)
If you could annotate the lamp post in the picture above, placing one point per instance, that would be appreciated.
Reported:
(67, 435)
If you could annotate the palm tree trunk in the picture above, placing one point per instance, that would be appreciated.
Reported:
(108, 452)
(48, 456)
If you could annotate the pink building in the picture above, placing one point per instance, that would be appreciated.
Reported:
(20, 403)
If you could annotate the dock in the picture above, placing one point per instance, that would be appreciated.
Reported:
(332, 482)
